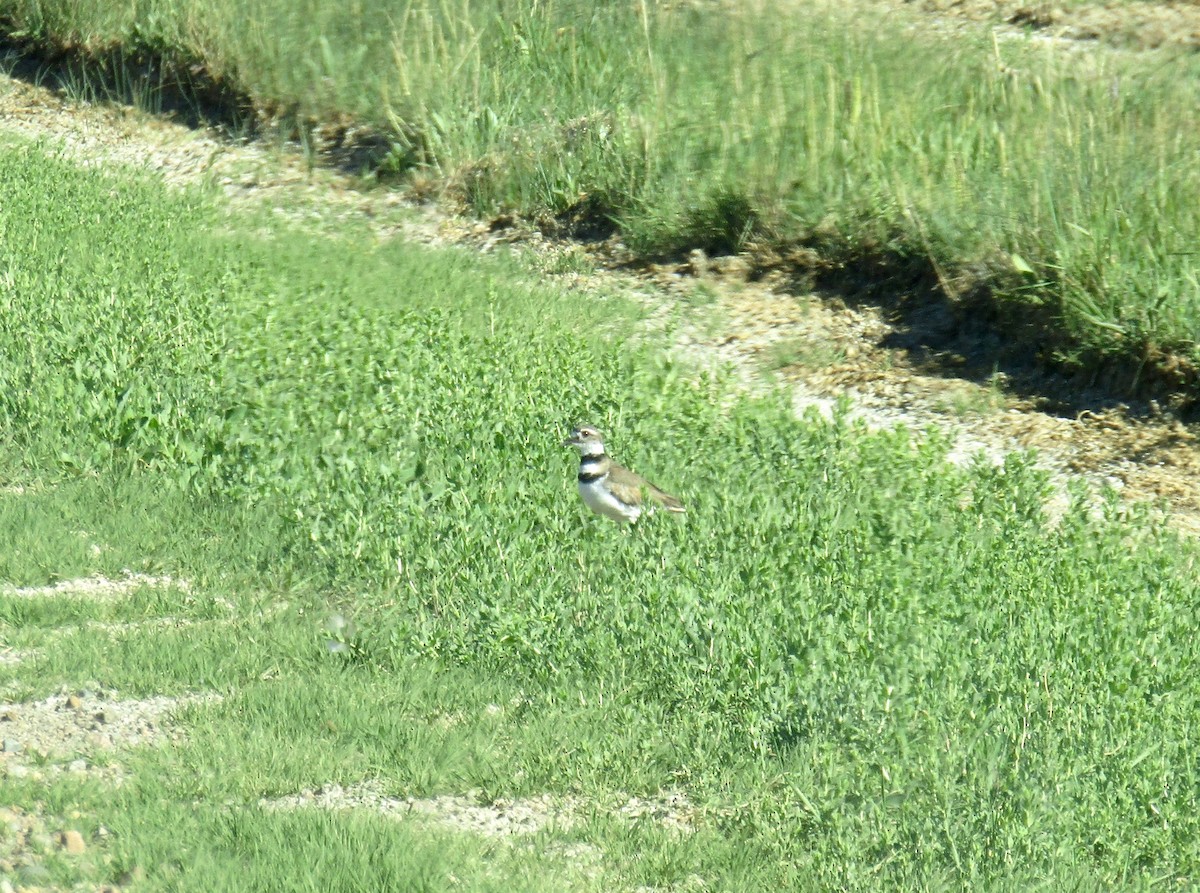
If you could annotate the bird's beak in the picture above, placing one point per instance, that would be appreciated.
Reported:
(570, 441)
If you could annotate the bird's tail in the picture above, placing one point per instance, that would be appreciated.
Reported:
(666, 500)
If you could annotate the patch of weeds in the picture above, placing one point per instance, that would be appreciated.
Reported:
(844, 638)
(563, 260)
(722, 223)
(805, 351)
(971, 400)
(701, 295)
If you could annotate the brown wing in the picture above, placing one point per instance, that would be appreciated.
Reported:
(628, 487)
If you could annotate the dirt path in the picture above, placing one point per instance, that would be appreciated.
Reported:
(1137, 26)
(824, 347)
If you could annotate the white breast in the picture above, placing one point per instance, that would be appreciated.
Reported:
(600, 501)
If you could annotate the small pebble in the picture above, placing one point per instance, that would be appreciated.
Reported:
(100, 717)
(72, 842)
(74, 702)
(12, 746)
(77, 766)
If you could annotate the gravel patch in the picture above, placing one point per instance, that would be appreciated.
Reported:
(466, 813)
(96, 586)
(671, 809)
(502, 817)
(74, 732)
(1131, 26)
(28, 837)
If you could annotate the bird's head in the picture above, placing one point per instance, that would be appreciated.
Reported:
(587, 440)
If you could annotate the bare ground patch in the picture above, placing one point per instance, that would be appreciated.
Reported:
(79, 731)
(1137, 25)
(71, 735)
(11, 656)
(30, 836)
(96, 586)
(456, 812)
(500, 817)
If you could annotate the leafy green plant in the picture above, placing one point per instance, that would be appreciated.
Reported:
(869, 668)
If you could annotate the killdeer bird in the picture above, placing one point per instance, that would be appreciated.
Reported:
(607, 488)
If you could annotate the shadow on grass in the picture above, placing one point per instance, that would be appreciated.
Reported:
(969, 330)
(164, 81)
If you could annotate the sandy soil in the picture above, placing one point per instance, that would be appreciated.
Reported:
(1134, 25)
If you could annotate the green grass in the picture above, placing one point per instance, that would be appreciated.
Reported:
(867, 669)
(1060, 180)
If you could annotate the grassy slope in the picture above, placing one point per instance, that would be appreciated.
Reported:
(868, 669)
(1063, 181)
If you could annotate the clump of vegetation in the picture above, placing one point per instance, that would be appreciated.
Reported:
(1057, 180)
(868, 668)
